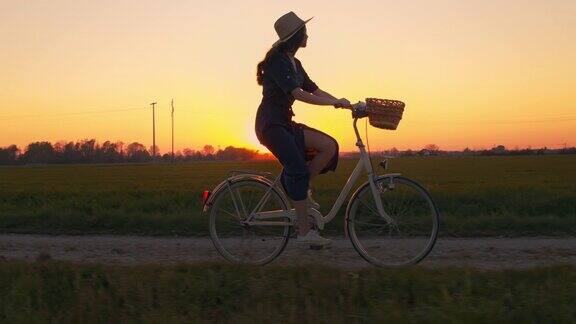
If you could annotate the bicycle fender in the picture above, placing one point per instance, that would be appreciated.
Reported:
(223, 185)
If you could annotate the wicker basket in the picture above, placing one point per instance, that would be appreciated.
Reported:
(384, 113)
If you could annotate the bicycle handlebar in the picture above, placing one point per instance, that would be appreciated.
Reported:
(360, 105)
(358, 110)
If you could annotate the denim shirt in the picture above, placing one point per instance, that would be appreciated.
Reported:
(278, 81)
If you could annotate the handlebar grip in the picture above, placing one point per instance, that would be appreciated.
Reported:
(359, 106)
(359, 110)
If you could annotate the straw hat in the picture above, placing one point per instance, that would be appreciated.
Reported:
(288, 25)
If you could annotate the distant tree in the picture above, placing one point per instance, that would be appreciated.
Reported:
(500, 149)
(568, 150)
(87, 149)
(394, 151)
(39, 152)
(136, 152)
(9, 154)
(432, 148)
(188, 152)
(408, 153)
(236, 154)
(59, 146)
(541, 151)
(120, 148)
(109, 153)
(208, 150)
(71, 153)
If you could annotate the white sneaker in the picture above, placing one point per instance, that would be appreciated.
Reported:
(313, 238)
(311, 202)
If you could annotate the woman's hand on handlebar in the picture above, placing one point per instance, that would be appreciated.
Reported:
(360, 105)
(342, 103)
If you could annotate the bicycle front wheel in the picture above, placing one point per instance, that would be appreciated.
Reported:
(238, 242)
(408, 234)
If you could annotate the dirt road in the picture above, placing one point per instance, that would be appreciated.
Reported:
(487, 253)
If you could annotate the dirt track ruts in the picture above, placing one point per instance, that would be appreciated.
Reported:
(486, 253)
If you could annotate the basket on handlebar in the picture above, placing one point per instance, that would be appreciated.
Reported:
(384, 113)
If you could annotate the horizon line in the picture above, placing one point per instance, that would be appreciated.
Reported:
(260, 151)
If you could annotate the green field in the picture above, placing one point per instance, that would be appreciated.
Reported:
(67, 293)
(520, 195)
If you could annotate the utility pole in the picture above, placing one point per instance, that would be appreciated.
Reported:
(153, 131)
(172, 104)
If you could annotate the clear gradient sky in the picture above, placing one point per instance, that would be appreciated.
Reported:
(472, 73)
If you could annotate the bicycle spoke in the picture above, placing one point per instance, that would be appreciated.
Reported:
(404, 241)
(378, 231)
(369, 207)
(241, 204)
(250, 201)
(237, 241)
(370, 224)
(407, 203)
(231, 214)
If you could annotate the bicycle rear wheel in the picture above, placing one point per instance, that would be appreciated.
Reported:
(413, 230)
(238, 242)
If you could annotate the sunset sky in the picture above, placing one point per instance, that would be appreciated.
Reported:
(472, 73)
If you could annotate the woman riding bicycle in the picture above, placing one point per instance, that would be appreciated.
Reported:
(284, 80)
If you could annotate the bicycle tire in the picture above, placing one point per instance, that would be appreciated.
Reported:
(360, 247)
(226, 250)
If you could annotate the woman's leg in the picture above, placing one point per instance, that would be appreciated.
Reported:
(301, 207)
(325, 146)
(295, 177)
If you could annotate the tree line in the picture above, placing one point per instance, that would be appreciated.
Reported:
(433, 149)
(90, 151)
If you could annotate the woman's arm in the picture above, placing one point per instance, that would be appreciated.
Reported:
(313, 98)
(321, 93)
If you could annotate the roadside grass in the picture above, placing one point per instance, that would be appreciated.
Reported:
(73, 293)
(509, 196)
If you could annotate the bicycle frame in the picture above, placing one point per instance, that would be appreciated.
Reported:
(266, 218)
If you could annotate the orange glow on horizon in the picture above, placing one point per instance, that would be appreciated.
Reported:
(473, 74)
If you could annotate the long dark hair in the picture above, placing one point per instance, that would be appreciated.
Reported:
(291, 45)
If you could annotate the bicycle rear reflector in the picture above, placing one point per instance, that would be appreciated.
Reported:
(205, 196)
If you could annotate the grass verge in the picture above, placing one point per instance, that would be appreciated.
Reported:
(63, 292)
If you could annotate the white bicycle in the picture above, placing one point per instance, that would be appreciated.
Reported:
(390, 219)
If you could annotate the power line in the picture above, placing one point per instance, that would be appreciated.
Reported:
(101, 112)
(442, 122)
(565, 117)
(72, 114)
